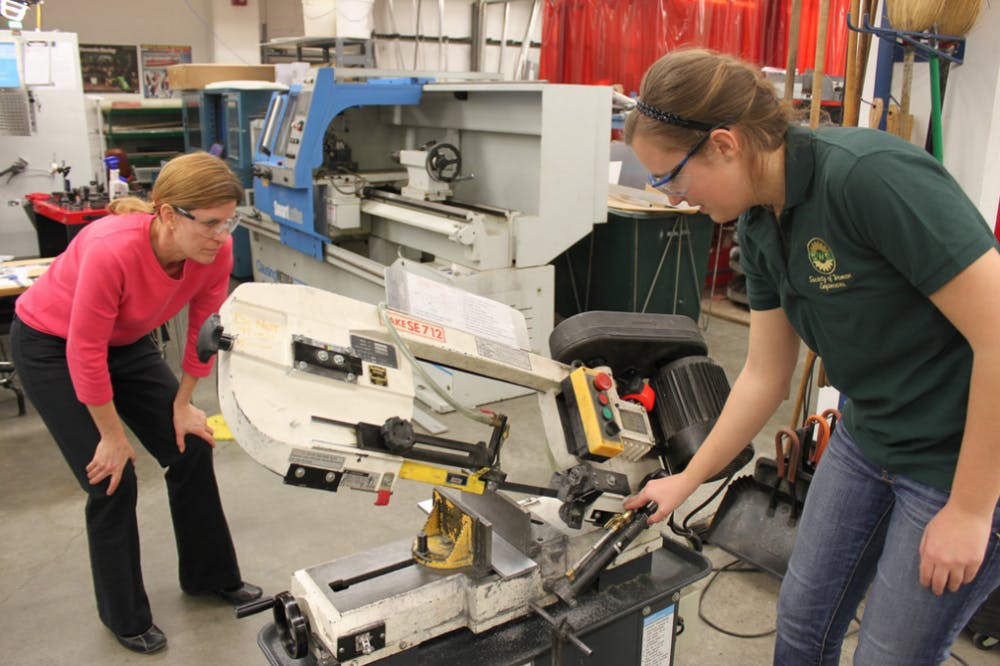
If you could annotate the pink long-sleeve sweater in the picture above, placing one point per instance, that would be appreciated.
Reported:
(108, 289)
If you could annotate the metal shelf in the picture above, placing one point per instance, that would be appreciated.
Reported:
(149, 133)
(340, 51)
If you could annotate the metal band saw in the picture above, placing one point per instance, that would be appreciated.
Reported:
(319, 388)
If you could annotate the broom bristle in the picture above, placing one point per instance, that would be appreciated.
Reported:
(960, 17)
(915, 15)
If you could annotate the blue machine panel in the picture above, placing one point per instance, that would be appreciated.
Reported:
(291, 147)
(222, 126)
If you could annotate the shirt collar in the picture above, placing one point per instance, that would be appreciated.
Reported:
(799, 164)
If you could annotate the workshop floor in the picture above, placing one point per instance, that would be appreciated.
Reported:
(47, 612)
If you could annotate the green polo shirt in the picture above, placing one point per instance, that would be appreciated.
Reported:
(872, 226)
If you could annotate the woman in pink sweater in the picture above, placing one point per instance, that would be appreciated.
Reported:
(81, 344)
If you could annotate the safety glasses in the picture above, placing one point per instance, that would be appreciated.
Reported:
(676, 183)
(210, 228)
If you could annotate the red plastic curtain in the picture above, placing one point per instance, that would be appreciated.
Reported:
(614, 41)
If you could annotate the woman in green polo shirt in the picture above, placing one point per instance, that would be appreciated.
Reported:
(863, 246)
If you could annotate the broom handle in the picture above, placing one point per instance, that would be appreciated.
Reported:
(807, 367)
(793, 49)
(852, 102)
(936, 130)
(817, 87)
(909, 55)
(864, 48)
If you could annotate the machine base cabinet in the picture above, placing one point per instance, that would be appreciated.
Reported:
(630, 620)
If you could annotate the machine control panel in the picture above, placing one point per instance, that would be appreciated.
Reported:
(592, 414)
(298, 127)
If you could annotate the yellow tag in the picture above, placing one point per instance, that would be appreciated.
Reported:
(219, 428)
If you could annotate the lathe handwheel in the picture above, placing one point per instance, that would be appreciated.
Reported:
(444, 162)
(292, 625)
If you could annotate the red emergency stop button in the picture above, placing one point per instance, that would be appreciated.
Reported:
(602, 381)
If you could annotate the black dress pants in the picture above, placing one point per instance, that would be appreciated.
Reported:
(144, 391)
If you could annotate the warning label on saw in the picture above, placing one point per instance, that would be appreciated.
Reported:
(658, 637)
(498, 352)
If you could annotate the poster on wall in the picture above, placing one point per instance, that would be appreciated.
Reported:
(155, 59)
(109, 68)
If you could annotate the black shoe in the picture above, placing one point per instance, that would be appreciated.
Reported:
(149, 641)
(240, 594)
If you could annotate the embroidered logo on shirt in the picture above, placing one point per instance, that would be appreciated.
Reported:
(821, 256)
(823, 262)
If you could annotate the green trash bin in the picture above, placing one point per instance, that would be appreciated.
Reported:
(637, 262)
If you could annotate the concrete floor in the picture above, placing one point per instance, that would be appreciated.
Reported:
(47, 612)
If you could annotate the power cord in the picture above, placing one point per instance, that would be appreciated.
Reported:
(736, 634)
(764, 634)
(695, 535)
(700, 507)
(360, 183)
(704, 591)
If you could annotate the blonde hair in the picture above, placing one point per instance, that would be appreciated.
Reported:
(195, 180)
(709, 88)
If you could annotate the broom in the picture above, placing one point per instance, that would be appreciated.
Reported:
(960, 17)
(957, 20)
(911, 16)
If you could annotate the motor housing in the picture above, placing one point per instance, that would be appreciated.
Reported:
(690, 393)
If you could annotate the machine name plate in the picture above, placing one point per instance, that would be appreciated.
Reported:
(498, 352)
(314, 458)
(375, 351)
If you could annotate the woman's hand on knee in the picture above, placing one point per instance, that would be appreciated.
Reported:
(110, 458)
(189, 420)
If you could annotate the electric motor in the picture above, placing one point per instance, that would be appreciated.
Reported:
(690, 393)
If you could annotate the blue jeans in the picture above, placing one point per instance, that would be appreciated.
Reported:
(862, 527)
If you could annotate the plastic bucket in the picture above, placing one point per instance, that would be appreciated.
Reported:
(338, 18)
(319, 18)
(355, 18)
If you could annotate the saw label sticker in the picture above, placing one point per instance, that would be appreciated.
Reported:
(315, 458)
(658, 637)
(502, 353)
(417, 327)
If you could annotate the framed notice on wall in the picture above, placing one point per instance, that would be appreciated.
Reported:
(155, 58)
(109, 68)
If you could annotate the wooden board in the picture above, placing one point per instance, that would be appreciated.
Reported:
(14, 282)
(639, 206)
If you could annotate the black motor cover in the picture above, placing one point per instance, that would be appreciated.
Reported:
(670, 351)
(690, 393)
(626, 340)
